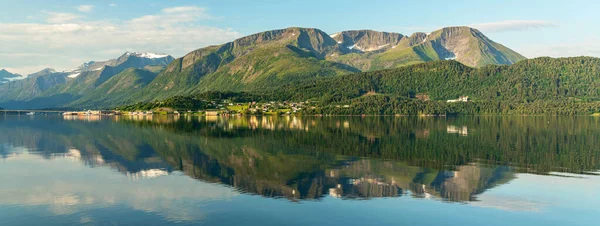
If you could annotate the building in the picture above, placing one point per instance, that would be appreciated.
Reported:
(422, 96)
(460, 99)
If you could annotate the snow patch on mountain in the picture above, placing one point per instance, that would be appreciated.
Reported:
(147, 55)
(73, 75)
(83, 67)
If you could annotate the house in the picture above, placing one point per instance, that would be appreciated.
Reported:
(422, 96)
(460, 99)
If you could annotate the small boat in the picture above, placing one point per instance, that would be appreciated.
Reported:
(30, 113)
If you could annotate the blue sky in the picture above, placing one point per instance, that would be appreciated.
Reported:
(62, 34)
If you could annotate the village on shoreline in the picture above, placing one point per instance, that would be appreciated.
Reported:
(225, 108)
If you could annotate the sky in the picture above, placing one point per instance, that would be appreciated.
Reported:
(63, 34)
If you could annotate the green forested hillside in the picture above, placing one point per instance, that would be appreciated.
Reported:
(267, 60)
(119, 89)
(258, 63)
(537, 86)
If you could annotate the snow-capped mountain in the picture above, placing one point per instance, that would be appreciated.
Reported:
(136, 59)
(147, 55)
(6, 76)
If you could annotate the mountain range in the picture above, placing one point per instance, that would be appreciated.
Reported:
(255, 63)
(6, 76)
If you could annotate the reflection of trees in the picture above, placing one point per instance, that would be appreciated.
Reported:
(307, 158)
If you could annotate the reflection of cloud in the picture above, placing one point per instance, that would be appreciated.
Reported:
(7, 151)
(64, 187)
(507, 203)
(512, 25)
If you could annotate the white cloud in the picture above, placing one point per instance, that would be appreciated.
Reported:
(56, 18)
(65, 41)
(183, 9)
(589, 46)
(112, 5)
(85, 8)
(169, 16)
(512, 25)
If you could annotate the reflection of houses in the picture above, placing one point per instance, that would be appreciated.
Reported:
(254, 162)
(463, 131)
(91, 112)
(149, 173)
(460, 99)
(422, 133)
(212, 113)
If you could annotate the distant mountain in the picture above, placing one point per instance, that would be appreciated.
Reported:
(33, 86)
(118, 90)
(6, 76)
(133, 59)
(49, 88)
(45, 71)
(255, 63)
(379, 50)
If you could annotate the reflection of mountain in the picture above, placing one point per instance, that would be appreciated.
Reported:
(70, 190)
(79, 141)
(307, 158)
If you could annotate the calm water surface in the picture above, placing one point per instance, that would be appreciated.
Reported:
(299, 171)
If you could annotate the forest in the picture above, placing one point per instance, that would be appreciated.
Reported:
(541, 86)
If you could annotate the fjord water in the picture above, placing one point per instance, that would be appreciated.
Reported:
(299, 170)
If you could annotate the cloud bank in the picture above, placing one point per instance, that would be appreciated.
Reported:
(67, 40)
(512, 25)
(85, 8)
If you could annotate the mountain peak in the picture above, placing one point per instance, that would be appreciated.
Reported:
(6, 76)
(45, 71)
(146, 55)
(367, 40)
(99, 65)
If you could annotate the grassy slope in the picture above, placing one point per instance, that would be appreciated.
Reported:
(269, 67)
(118, 90)
(261, 61)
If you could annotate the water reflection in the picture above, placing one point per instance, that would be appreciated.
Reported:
(312, 157)
(463, 131)
(69, 190)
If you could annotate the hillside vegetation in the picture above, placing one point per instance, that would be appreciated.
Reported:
(259, 63)
(537, 86)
